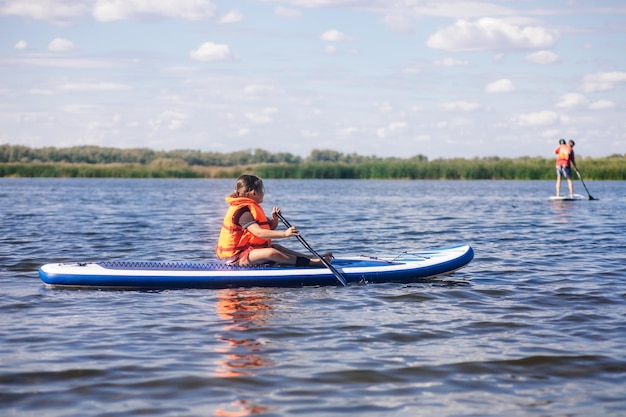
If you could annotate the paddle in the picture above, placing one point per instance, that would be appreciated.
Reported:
(328, 265)
(581, 180)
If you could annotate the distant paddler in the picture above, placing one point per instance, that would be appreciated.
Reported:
(564, 159)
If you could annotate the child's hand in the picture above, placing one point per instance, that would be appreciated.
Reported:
(292, 231)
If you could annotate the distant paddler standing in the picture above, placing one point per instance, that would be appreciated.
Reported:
(565, 156)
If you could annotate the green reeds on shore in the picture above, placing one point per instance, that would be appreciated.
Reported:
(449, 169)
(446, 169)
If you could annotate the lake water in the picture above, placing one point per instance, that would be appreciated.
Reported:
(534, 325)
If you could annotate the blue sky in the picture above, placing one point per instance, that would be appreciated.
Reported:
(441, 78)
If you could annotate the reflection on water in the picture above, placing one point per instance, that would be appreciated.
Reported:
(563, 209)
(243, 408)
(241, 355)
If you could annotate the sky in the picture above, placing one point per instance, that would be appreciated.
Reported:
(387, 78)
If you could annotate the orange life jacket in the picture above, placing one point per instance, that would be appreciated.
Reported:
(234, 238)
(563, 155)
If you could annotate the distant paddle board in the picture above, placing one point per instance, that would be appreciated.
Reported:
(567, 198)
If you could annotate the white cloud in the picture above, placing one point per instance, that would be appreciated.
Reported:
(80, 109)
(461, 106)
(545, 117)
(22, 44)
(112, 10)
(330, 49)
(415, 69)
(334, 36)
(62, 11)
(68, 63)
(438, 63)
(287, 12)
(503, 85)
(490, 34)
(91, 87)
(603, 81)
(347, 131)
(50, 10)
(262, 116)
(210, 51)
(572, 100)
(385, 107)
(309, 133)
(400, 22)
(170, 120)
(384, 131)
(542, 57)
(601, 105)
(60, 45)
(234, 16)
(458, 9)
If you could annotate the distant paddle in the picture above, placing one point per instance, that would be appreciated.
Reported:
(328, 265)
(581, 180)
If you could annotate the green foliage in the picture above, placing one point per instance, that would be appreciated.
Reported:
(65, 170)
(103, 155)
(93, 161)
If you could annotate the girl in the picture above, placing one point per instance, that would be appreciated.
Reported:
(246, 235)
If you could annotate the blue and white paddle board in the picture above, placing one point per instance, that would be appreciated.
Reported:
(576, 197)
(405, 268)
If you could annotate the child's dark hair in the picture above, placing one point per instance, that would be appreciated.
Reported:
(247, 183)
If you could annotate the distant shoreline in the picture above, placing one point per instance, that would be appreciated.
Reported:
(98, 162)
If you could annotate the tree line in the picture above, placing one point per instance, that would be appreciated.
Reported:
(103, 162)
(146, 156)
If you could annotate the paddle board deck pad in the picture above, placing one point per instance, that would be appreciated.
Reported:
(568, 198)
(405, 268)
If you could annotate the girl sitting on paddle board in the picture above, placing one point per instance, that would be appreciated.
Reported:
(247, 233)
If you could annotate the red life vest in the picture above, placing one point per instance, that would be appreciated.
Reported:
(564, 153)
(234, 238)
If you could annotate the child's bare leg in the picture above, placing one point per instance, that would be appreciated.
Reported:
(314, 260)
(265, 255)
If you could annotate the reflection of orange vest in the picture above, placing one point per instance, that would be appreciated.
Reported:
(234, 238)
(563, 155)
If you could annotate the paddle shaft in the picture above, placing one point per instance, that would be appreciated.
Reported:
(581, 180)
(327, 264)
